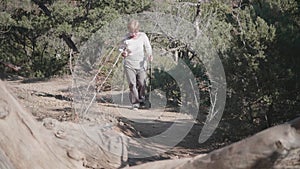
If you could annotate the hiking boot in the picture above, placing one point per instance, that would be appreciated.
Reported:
(135, 106)
(143, 105)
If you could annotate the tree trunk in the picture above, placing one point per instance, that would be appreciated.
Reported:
(277, 147)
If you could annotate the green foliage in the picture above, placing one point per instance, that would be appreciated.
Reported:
(164, 82)
(6, 19)
(257, 41)
(260, 59)
(165, 62)
(31, 36)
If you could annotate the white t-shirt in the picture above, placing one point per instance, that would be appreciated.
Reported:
(136, 48)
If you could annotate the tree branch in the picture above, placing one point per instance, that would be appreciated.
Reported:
(11, 66)
(64, 36)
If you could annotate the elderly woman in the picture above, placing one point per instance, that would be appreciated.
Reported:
(136, 49)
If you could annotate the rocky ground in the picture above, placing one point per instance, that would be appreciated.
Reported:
(53, 98)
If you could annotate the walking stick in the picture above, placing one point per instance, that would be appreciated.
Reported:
(123, 81)
(123, 76)
(150, 79)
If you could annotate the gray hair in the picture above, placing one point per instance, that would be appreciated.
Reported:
(133, 26)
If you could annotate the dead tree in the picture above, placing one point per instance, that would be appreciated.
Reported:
(277, 147)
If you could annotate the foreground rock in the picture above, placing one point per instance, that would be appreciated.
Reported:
(277, 147)
(25, 143)
(97, 146)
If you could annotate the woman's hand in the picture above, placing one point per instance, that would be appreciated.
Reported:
(124, 53)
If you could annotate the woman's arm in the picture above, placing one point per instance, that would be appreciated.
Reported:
(123, 47)
(148, 47)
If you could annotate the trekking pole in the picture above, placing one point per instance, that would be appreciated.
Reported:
(150, 79)
(123, 76)
(123, 83)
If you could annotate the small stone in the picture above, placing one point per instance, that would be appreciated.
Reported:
(91, 164)
(3, 114)
(49, 123)
(60, 134)
(76, 154)
(4, 109)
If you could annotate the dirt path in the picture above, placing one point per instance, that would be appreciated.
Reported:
(52, 98)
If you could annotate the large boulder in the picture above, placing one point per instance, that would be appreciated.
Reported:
(26, 143)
